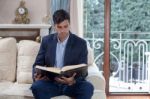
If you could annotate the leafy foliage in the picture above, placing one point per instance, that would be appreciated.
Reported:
(126, 15)
(94, 17)
(130, 15)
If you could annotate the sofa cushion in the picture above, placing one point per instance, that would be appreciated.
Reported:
(96, 77)
(5, 85)
(14, 97)
(90, 56)
(27, 52)
(99, 94)
(8, 52)
(61, 97)
(18, 89)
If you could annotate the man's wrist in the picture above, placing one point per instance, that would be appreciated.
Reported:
(72, 83)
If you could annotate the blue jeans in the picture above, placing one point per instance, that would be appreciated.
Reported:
(43, 89)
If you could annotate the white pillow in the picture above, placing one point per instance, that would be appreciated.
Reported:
(27, 52)
(8, 52)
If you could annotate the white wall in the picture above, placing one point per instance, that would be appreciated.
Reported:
(37, 10)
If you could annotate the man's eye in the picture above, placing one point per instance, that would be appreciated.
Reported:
(59, 27)
(66, 26)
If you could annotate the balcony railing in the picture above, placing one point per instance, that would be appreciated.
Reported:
(129, 65)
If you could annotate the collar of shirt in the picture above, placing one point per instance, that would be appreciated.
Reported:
(64, 42)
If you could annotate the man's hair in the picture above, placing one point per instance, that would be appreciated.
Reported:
(60, 15)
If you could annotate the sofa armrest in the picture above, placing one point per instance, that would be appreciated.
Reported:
(96, 77)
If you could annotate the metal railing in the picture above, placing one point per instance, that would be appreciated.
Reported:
(128, 62)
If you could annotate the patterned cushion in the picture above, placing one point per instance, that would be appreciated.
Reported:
(8, 52)
(27, 52)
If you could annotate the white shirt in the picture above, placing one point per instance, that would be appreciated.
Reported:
(60, 52)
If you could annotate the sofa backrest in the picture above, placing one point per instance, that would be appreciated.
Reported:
(8, 53)
(27, 52)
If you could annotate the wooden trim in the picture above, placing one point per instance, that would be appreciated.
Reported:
(106, 67)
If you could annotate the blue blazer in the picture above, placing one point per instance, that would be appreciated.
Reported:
(75, 52)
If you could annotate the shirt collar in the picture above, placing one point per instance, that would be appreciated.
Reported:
(65, 41)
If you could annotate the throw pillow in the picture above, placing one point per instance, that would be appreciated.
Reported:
(27, 52)
(8, 52)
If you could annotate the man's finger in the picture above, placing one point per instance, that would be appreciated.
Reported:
(60, 80)
(74, 75)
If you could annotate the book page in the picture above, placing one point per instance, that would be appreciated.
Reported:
(50, 69)
(73, 67)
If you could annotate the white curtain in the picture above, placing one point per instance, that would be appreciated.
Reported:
(76, 16)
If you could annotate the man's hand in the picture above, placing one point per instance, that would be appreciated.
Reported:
(39, 76)
(66, 80)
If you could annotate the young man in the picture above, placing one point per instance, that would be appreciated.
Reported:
(58, 50)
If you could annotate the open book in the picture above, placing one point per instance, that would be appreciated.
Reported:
(67, 71)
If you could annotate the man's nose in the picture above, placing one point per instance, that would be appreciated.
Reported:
(62, 30)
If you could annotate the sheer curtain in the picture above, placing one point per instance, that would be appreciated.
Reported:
(56, 5)
(59, 4)
(76, 14)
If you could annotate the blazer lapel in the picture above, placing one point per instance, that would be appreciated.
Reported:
(53, 50)
(68, 49)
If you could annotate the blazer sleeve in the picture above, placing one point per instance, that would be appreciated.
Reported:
(83, 53)
(83, 59)
(40, 58)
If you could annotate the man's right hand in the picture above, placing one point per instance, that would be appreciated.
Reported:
(39, 76)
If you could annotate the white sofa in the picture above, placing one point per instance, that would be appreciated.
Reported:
(16, 61)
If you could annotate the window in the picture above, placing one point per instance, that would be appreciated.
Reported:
(94, 27)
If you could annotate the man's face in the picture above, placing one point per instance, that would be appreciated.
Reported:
(63, 27)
